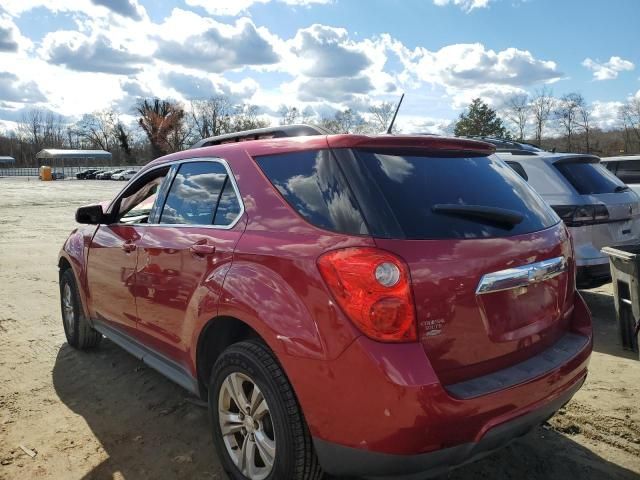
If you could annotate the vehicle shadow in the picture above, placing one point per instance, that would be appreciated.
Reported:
(150, 430)
(605, 329)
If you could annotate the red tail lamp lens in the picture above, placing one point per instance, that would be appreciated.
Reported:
(372, 288)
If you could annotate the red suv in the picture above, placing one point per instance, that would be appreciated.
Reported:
(355, 305)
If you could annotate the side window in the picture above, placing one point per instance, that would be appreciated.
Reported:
(519, 169)
(228, 206)
(137, 204)
(194, 195)
(312, 183)
(629, 171)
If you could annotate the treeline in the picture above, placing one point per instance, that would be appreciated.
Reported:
(566, 123)
(165, 126)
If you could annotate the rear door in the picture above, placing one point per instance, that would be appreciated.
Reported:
(435, 212)
(185, 253)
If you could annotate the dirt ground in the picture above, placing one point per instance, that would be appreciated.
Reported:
(104, 415)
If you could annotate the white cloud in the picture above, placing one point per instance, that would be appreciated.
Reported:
(466, 5)
(608, 70)
(236, 7)
(11, 40)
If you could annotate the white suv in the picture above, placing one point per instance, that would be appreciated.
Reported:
(599, 209)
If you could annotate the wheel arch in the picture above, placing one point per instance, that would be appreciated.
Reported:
(218, 334)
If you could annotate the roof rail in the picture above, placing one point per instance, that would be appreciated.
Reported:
(280, 131)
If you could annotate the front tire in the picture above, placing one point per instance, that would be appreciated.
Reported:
(258, 428)
(79, 333)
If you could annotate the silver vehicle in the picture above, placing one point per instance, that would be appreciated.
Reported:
(124, 175)
(626, 168)
(599, 209)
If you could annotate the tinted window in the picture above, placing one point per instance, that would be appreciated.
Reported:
(629, 171)
(194, 194)
(314, 186)
(589, 178)
(407, 188)
(519, 169)
(228, 206)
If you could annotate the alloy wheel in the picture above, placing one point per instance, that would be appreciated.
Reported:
(246, 426)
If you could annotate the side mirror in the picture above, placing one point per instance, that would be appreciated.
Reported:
(91, 215)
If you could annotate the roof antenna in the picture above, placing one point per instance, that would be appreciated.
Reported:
(394, 115)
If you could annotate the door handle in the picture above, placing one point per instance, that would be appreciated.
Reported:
(129, 247)
(202, 249)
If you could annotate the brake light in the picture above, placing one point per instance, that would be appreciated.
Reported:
(579, 215)
(373, 289)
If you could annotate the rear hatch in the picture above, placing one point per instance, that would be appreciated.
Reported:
(619, 220)
(457, 216)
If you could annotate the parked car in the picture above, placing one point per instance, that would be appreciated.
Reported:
(599, 210)
(82, 175)
(375, 306)
(106, 175)
(57, 175)
(93, 175)
(124, 175)
(626, 168)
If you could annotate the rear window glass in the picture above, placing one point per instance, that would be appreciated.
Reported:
(407, 187)
(589, 178)
(312, 183)
(628, 171)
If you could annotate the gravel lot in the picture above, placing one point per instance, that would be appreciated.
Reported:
(105, 415)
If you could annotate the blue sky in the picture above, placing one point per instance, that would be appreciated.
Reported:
(75, 56)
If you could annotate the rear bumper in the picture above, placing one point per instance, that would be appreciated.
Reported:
(590, 276)
(341, 460)
(380, 409)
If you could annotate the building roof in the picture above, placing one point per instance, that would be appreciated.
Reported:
(71, 154)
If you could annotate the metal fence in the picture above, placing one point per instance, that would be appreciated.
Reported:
(69, 172)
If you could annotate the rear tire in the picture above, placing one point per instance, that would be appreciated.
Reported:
(270, 425)
(79, 333)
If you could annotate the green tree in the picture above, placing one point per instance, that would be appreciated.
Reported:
(480, 120)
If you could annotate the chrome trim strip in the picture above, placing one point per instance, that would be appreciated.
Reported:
(521, 276)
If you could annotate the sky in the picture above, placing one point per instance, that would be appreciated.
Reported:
(78, 56)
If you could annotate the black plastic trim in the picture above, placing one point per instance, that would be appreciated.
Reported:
(567, 347)
(158, 362)
(338, 459)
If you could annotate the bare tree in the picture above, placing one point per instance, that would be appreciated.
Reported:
(381, 116)
(212, 116)
(541, 106)
(567, 113)
(518, 111)
(30, 126)
(246, 118)
(584, 121)
(98, 129)
(288, 115)
(159, 119)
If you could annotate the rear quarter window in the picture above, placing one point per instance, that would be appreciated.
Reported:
(313, 184)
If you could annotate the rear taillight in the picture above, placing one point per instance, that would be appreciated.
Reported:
(373, 289)
(579, 215)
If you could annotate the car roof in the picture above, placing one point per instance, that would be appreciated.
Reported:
(274, 146)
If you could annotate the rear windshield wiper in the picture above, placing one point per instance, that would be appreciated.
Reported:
(621, 188)
(492, 214)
